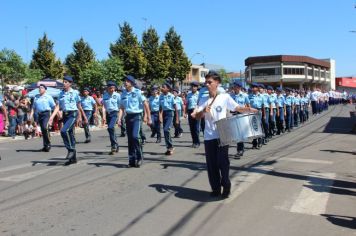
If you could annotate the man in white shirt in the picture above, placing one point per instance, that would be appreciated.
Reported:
(314, 98)
(214, 107)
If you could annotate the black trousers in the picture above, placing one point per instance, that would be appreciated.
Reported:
(218, 164)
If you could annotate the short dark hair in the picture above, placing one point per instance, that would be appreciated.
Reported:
(214, 75)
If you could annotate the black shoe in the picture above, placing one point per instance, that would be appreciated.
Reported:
(131, 164)
(122, 135)
(241, 153)
(138, 163)
(72, 158)
(87, 140)
(46, 149)
(158, 140)
(215, 193)
(237, 156)
(153, 135)
(226, 193)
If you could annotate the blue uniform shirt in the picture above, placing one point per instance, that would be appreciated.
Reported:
(111, 102)
(179, 103)
(256, 101)
(132, 101)
(87, 103)
(167, 102)
(272, 100)
(297, 101)
(43, 103)
(154, 103)
(281, 101)
(68, 100)
(241, 98)
(204, 92)
(289, 100)
(192, 100)
(266, 100)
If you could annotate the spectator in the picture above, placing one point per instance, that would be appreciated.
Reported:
(12, 105)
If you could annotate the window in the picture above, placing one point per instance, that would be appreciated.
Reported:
(293, 71)
(310, 72)
(266, 72)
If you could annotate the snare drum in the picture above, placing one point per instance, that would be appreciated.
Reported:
(239, 128)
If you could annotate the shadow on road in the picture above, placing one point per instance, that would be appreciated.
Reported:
(339, 125)
(185, 193)
(28, 150)
(189, 166)
(116, 165)
(343, 221)
(340, 151)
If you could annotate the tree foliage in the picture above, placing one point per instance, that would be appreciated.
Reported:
(180, 65)
(45, 59)
(92, 75)
(33, 75)
(82, 56)
(158, 57)
(12, 67)
(128, 49)
(113, 70)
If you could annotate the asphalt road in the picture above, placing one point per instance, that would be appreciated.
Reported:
(301, 183)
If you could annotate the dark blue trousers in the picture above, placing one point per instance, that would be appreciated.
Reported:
(218, 164)
(133, 126)
(67, 131)
(88, 114)
(194, 126)
(280, 120)
(156, 126)
(265, 122)
(314, 107)
(43, 118)
(167, 124)
(288, 117)
(296, 115)
(111, 119)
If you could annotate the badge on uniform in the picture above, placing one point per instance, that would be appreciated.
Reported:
(218, 109)
(133, 95)
(114, 96)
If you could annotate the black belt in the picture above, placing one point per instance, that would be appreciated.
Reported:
(68, 112)
(154, 112)
(43, 112)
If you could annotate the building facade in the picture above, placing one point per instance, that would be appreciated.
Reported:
(291, 71)
(196, 73)
(347, 84)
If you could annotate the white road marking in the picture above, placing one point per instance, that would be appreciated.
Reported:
(303, 160)
(314, 195)
(10, 168)
(242, 181)
(28, 175)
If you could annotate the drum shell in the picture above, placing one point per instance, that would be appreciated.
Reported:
(239, 128)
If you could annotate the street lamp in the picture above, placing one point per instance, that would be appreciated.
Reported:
(198, 53)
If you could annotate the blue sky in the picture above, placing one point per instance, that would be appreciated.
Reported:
(224, 32)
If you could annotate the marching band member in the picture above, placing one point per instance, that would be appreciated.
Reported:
(43, 104)
(69, 103)
(134, 103)
(89, 106)
(154, 108)
(167, 109)
(111, 104)
(214, 107)
(194, 124)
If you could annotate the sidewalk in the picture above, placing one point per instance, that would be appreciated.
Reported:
(77, 130)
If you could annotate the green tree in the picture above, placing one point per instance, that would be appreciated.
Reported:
(113, 70)
(180, 65)
(33, 75)
(92, 75)
(12, 67)
(224, 78)
(82, 56)
(158, 57)
(45, 59)
(128, 49)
